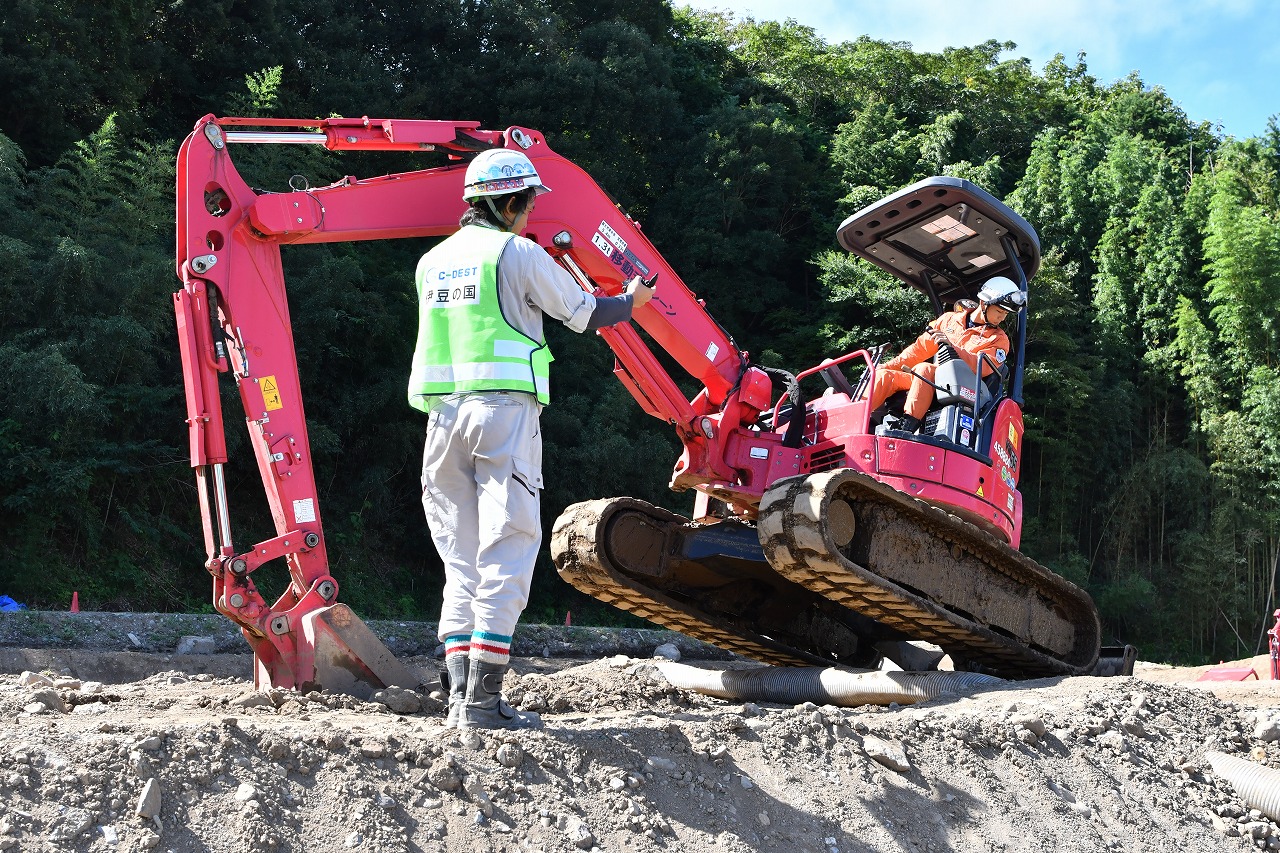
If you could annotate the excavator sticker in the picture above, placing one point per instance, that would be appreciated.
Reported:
(270, 394)
(304, 511)
(603, 245)
(613, 236)
(1007, 455)
(607, 240)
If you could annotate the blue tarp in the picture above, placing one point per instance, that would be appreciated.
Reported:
(7, 604)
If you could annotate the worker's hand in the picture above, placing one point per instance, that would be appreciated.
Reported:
(945, 348)
(640, 291)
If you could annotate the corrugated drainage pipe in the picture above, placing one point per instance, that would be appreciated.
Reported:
(1257, 785)
(823, 685)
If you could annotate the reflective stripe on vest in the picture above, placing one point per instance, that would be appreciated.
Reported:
(464, 341)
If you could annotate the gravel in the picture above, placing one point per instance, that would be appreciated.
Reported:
(176, 760)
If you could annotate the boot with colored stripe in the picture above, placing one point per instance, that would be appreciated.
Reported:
(485, 708)
(454, 679)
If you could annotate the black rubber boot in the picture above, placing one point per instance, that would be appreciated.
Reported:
(485, 708)
(454, 679)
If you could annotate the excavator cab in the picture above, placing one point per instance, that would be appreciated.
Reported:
(945, 237)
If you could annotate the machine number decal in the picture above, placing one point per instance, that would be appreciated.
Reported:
(304, 511)
(603, 245)
(270, 394)
(1007, 453)
(613, 247)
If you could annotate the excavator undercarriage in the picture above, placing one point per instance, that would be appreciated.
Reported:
(838, 569)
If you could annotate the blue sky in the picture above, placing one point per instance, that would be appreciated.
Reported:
(1217, 59)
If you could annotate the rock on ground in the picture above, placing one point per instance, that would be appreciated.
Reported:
(626, 762)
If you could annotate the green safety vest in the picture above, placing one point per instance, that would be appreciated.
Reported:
(464, 341)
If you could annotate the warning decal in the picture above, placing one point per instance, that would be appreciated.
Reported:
(304, 511)
(270, 394)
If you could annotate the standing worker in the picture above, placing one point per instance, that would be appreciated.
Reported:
(480, 371)
(967, 332)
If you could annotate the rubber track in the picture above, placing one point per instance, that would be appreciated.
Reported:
(581, 560)
(798, 546)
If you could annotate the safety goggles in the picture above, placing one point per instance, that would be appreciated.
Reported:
(1015, 301)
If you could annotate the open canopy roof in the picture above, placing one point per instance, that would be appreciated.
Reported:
(944, 236)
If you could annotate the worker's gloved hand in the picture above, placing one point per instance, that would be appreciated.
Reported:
(640, 291)
(946, 352)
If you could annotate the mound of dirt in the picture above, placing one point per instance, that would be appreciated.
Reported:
(626, 762)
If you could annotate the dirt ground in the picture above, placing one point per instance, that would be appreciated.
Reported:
(191, 761)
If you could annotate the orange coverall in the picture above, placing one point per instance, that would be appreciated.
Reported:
(969, 338)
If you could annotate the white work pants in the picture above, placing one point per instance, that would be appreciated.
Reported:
(481, 479)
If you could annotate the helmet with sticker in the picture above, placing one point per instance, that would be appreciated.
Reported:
(1002, 292)
(500, 171)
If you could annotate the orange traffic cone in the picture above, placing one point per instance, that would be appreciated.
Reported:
(75, 602)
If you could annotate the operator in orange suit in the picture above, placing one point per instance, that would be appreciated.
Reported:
(969, 332)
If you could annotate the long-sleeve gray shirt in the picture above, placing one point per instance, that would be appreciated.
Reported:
(530, 284)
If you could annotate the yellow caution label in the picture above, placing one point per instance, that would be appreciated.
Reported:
(1013, 437)
(979, 492)
(270, 394)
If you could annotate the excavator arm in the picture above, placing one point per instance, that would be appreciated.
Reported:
(233, 319)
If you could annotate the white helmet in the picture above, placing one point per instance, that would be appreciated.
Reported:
(500, 171)
(1004, 293)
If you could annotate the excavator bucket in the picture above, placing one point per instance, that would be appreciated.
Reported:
(348, 657)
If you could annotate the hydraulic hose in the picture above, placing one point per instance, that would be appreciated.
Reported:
(824, 685)
(1257, 785)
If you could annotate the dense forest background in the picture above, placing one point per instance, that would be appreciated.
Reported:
(1153, 422)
